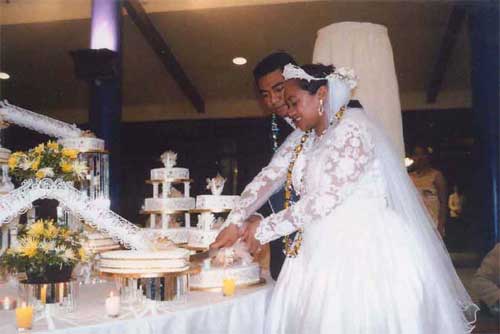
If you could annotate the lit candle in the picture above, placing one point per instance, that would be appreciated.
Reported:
(228, 287)
(61, 292)
(24, 316)
(43, 294)
(8, 304)
(112, 305)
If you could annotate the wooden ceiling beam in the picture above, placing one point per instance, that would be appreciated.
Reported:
(141, 19)
(438, 73)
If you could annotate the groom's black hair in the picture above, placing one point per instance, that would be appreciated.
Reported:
(274, 61)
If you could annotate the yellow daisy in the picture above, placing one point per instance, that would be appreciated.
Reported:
(40, 174)
(37, 229)
(66, 167)
(40, 148)
(70, 153)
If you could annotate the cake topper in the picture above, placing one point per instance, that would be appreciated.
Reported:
(216, 184)
(169, 159)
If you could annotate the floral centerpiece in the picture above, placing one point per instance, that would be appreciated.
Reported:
(47, 160)
(46, 252)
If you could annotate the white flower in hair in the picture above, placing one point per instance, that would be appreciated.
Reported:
(348, 75)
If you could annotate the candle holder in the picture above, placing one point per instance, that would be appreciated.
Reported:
(8, 303)
(64, 294)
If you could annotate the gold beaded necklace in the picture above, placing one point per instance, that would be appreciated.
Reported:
(292, 246)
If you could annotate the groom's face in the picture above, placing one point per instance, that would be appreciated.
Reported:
(272, 91)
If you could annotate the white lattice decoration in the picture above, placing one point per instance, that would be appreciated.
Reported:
(39, 123)
(20, 200)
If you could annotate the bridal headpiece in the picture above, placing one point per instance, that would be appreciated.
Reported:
(345, 74)
(340, 85)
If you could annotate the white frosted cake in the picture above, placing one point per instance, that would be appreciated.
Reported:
(178, 235)
(234, 262)
(169, 204)
(213, 277)
(201, 238)
(169, 173)
(83, 144)
(143, 262)
(98, 242)
(216, 203)
(4, 155)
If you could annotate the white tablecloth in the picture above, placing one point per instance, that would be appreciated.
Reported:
(204, 312)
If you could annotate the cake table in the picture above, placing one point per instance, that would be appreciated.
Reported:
(203, 312)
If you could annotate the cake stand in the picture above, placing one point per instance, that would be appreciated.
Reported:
(145, 293)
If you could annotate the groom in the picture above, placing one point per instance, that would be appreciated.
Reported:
(270, 83)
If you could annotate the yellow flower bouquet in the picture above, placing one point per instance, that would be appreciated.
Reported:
(47, 253)
(47, 160)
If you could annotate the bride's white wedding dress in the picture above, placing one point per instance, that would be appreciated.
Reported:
(369, 262)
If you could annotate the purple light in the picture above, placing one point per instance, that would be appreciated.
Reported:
(104, 31)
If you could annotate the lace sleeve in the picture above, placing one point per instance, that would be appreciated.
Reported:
(270, 179)
(347, 153)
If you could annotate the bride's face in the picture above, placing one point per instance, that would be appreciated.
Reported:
(302, 106)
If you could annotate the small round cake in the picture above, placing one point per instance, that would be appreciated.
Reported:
(144, 262)
(201, 238)
(243, 274)
(4, 155)
(178, 235)
(173, 173)
(216, 203)
(169, 204)
(83, 144)
(97, 242)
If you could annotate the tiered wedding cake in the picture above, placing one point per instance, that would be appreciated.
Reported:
(140, 262)
(234, 262)
(207, 206)
(165, 258)
(168, 202)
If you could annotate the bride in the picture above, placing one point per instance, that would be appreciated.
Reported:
(366, 258)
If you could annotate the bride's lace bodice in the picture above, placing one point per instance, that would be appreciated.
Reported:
(329, 169)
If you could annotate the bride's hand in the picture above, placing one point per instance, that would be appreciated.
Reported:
(227, 237)
(254, 246)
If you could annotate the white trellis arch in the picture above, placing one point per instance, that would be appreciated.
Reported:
(21, 199)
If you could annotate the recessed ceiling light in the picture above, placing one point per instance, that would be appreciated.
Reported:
(4, 76)
(239, 61)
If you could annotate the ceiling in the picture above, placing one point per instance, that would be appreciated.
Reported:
(36, 36)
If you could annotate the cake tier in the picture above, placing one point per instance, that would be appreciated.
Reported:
(169, 173)
(216, 203)
(131, 261)
(201, 238)
(97, 242)
(4, 155)
(169, 204)
(176, 235)
(83, 144)
(213, 277)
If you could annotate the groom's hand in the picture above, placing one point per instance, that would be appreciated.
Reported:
(254, 246)
(227, 237)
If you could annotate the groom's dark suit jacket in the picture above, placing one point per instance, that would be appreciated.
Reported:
(277, 202)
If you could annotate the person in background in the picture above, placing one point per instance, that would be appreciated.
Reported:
(455, 204)
(486, 281)
(431, 184)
